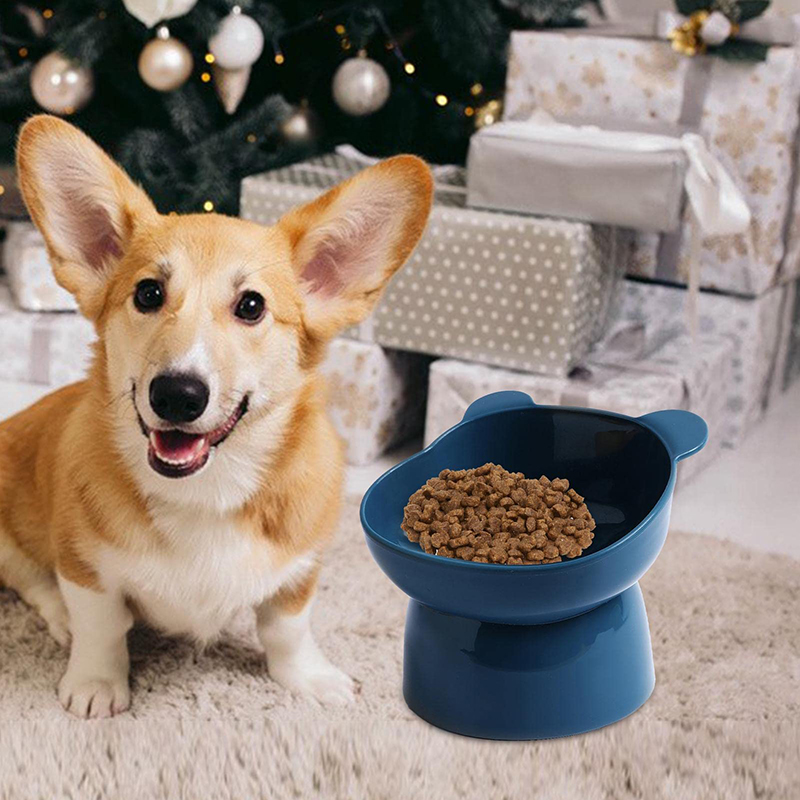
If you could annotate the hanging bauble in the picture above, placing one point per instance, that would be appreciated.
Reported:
(360, 86)
(230, 85)
(301, 126)
(61, 86)
(151, 12)
(488, 114)
(165, 63)
(238, 42)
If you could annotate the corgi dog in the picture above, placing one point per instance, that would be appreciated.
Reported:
(194, 472)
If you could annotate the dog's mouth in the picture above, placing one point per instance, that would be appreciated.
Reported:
(175, 453)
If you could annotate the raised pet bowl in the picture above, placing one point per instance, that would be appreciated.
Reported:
(531, 652)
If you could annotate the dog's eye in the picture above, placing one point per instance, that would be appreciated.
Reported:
(250, 307)
(149, 295)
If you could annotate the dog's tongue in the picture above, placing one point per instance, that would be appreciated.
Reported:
(177, 447)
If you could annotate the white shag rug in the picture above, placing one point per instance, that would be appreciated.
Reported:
(722, 722)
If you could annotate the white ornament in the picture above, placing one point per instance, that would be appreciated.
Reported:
(360, 86)
(61, 86)
(151, 12)
(238, 42)
(716, 29)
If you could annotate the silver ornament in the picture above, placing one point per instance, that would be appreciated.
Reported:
(165, 63)
(61, 86)
(301, 126)
(238, 42)
(360, 86)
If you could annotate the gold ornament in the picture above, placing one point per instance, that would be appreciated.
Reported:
(61, 86)
(687, 38)
(301, 127)
(230, 84)
(488, 114)
(165, 63)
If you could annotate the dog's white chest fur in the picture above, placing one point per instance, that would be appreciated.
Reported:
(206, 572)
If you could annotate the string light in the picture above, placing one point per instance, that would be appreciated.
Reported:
(392, 45)
(205, 77)
(208, 206)
(47, 13)
(210, 58)
(23, 52)
(101, 15)
(2, 189)
(251, 137)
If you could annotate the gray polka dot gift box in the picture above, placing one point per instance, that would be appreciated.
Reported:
(518, 291)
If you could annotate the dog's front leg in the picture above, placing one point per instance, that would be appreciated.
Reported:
(96, 681)
(294, 659)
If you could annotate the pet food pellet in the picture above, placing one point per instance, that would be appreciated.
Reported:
(492, 516)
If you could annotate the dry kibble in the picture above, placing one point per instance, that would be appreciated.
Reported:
(491, 516)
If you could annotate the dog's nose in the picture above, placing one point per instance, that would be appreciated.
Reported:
(178, 397)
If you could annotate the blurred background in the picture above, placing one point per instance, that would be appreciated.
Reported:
(616, 225)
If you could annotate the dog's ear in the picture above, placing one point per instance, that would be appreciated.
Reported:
(349, 242)
(84, 204)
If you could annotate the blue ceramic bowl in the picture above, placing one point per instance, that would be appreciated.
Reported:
(624, 467)
(530, 652)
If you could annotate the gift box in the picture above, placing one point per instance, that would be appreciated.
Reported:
(29, 273)
(746, 111)
(681, 374)
(524, 292)
(376, 396)
(581, 171)
(755, 326)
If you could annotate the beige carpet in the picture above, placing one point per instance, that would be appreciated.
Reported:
(722, 722)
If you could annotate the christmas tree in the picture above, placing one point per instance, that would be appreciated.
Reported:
(193, 95)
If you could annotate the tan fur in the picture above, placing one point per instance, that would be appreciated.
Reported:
(67, 487)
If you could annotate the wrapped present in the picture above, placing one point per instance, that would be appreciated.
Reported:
(679, 375)
(29, 273)
(376, 396)
(753, 325)
(518, 291)
(746, 111)
(578, 171)
(788, 370)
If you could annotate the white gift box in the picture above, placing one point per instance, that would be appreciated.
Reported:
(755, 326)
(524, 292)
(376, 396)
(681, 374)
(747, 112)
(29, 273)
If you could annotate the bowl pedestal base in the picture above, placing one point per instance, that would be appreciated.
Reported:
(496, 681)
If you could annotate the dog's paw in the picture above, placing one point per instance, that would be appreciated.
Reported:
(314, 677)
(93, 698)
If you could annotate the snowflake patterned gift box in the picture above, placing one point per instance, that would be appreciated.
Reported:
(680, 374)
(757, 327)
(29, 273)
(747, 113)
(524, 292)
(376, 397)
